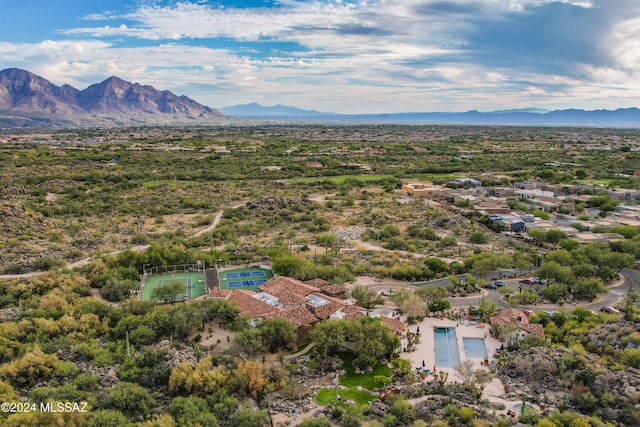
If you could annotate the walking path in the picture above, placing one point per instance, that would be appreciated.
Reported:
(87, 260)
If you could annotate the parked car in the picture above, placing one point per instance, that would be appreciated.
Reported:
(535, 280)
(527, 281)
(609, 310)
(499, 283)
(490, 286)
(528, 312)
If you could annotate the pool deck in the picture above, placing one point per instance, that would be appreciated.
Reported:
(425, 348)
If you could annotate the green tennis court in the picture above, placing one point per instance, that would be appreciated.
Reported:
(193, 283)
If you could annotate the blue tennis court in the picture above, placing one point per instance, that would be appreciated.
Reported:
(245, 283)
(246, 278)
(239, 274)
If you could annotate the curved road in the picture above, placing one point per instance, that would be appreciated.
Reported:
(629, 279)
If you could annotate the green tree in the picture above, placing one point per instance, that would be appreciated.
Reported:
(277, 333)
(478, 237)
(251, 341)
(287, 265)
(439, 305)
(401, 368)
(192, 410)
(538, 235)
(107, 418)
(373, 340)
(352, 417)
(631, 357)
(321, 421)
(130, 399)
(328, 240)
(552, 271)
(588, 288)
(249, 417)
(553, 236)
(168, 292)
(554, 292)
(487, 309)
(366, 298)
(436, 265)
(430, 293)
(561, 256)
(329, 336)
(403, 412)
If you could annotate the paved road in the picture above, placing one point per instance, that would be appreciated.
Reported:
(492, 275)
(630, 279)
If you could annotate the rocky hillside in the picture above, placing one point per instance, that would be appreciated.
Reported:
(28, 99)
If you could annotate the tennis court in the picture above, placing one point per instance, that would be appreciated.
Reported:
(245, 283)
(239, 274)
(247, 279)
(193, 283)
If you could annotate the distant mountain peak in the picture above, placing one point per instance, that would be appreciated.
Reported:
(113, 100)
(256, 110)
(622, 117)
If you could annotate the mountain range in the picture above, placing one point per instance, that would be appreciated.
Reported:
(622, 117)
(30, 100)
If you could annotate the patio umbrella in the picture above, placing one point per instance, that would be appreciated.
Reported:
(423, 363)
(434, 368)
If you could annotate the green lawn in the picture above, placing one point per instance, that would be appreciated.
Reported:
(326, 396)
(351, 380)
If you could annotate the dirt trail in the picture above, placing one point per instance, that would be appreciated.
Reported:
(87, 260)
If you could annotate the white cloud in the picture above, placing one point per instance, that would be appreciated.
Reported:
(375, 56)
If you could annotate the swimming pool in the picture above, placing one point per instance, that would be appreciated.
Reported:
(446, 347)
(474, 347)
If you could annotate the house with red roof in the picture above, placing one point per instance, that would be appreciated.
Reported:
(513, 325)
(301, 303)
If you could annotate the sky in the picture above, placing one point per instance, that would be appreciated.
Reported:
(369, 56)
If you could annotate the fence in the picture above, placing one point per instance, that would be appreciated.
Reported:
(168, 269)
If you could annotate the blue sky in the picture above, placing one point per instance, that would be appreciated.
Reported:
(367, 56)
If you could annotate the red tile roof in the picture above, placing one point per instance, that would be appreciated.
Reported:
(333, 289)
(219, 293)
(353, 311)
(293, 293)
(291, 299)
(297, 316)
(395, 325)
(318, 283)
(250, 306)
(511, 316)
(283, 287)
(325, 311)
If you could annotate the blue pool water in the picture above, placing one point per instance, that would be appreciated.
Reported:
(446, 347)
(474, 347)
